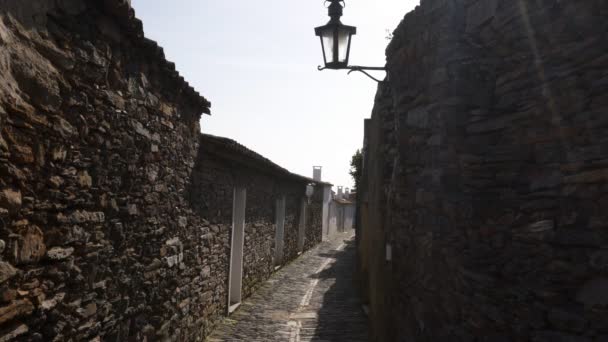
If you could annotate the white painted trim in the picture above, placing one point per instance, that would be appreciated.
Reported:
(237, 244)
(325, 212)
(233, 308)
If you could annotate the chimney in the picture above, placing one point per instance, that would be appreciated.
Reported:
(340, 192)
(316, 173)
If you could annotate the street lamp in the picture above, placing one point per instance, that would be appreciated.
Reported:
(336, 41)
(335, 38)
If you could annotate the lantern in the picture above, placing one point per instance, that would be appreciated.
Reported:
(335, 38)
(335, 42)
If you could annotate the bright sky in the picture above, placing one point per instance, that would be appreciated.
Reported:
(256, 61)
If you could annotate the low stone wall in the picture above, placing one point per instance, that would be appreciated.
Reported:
(222, 165)
(485, 174)
(313, 233)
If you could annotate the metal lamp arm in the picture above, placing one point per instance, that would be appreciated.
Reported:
(361, 69)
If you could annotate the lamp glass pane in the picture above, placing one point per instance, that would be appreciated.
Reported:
(343, 39)
(328, 45)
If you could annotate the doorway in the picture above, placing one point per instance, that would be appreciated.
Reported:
(235, 280)
(279, 231)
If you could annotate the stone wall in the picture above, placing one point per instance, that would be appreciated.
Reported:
(95, 154)
(485, 173)
(313, 233)
(374, 273)
(221, 166)
(99, 136)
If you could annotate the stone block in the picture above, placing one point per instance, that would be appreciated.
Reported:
(489, 125)
(51, 303)
(594, 176)
(14, 332)
(418, 117)
(59, 253)
(570, 237)
(84, 179)
(63, 127)
(545, 180)
(58, 153)
(206, 272)
(81, 216)
(11, 200)
(599, 260)
(16, 309)
(7, 271)
(563, 320)
(594, 293)
(3, 146)
(141, 130)
(87, 311)
(28, 245)
(37, 78)
(538, 231)
(73, 7)
(480, 12)
(22, 154)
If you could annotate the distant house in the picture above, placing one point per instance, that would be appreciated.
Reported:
(342, 210)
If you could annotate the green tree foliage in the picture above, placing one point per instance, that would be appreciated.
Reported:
(356, 166)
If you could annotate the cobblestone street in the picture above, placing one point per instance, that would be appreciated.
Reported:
(311, 299)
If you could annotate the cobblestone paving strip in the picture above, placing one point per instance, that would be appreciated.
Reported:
(311, 299)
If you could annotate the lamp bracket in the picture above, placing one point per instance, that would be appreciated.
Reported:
(358, 68)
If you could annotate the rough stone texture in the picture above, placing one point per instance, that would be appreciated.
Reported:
(373, 271)
(85, 113)
(99, 136)
(485, 171)
(222, 165)
(311, 299)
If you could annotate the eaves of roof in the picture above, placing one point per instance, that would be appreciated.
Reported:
(125, 15)
(226, 148)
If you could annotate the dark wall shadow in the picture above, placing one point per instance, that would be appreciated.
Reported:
(341, 316)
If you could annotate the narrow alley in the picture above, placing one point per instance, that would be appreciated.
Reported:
(468, 150)
(311, 299)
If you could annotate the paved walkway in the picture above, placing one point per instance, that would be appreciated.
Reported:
(311, 299)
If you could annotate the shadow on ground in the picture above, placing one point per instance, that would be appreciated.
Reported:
(340, 317)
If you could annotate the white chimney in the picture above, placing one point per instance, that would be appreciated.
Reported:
(340, 192)
(316, 173)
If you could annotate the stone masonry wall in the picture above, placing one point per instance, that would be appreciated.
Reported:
(313, 233)
(99, 136)
(493, 200)
(373, 271)
(221, 166)
(97, 238)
